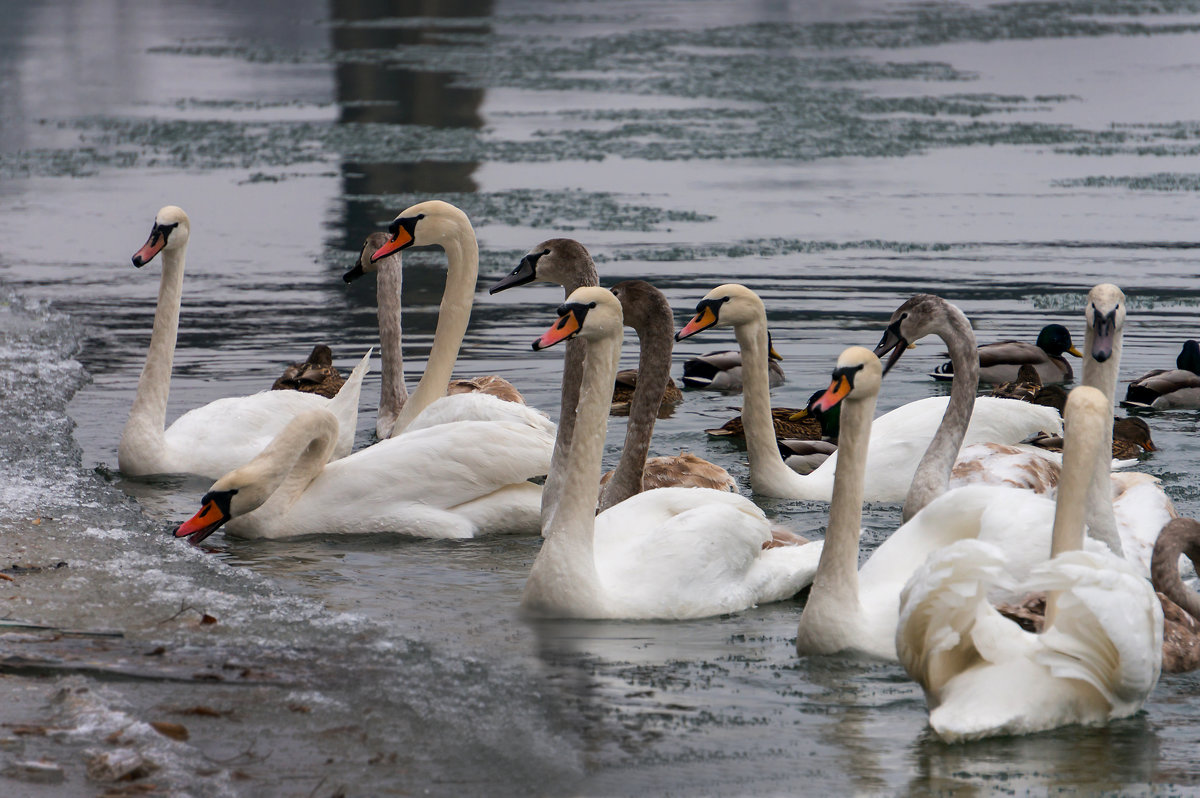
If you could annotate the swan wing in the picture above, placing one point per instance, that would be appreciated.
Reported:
(1142, 509)
(1107, 630)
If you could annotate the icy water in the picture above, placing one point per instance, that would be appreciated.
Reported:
(836, 157)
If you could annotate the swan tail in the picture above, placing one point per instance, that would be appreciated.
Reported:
(1107, 629)
(344, 406)
(942, 608)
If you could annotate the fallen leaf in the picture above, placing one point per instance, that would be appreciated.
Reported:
(176, 731)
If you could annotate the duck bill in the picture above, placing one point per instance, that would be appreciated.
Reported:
(892, 342)
(151, 248)
(799, 416)
(202, 524)
(773, 353)
(703, 319)
(401, 240)
(1077, 353)
(1148, 445)
(566, 326)
(524, 273)
(838, 390)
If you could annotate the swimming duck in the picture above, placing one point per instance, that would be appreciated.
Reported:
(1001, 361)
(316, 375)
(1167, 389)
(722, 371)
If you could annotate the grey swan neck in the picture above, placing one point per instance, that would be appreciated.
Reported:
(563, 579)
(654, 371)
(393, 393)
(142, 440)
(454, 314)
(1101, 516)
(834, 594)
(768, 473)
(932, 477)
(584, 276)
(1179, 536)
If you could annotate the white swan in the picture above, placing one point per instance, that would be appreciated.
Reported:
(452, 480)
(669, 553)
(898, 438)
(221, 435)
(1141, 506)
(393, 393)
(1100, 653)
(437, 223)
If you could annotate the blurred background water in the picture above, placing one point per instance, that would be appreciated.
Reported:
(837, 157)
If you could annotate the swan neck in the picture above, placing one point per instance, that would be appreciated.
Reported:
(836, 581)
(454, 314)
(1179, 536)
(1101, 517)
(768, 474)
(393, 393)
(564, 579)
(572, 374)
(148, 415)
(281, 473)
(932, 477)
(654, 371)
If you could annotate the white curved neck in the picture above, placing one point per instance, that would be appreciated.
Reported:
(282, 472)
(834, 594)
(768, 473)
(932, 477)
(462, 255)
(563, 579)
(393, 393)
(143, 433)
(1101, 518)
(1083, 456)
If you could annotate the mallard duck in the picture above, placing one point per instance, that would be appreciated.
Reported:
(316, 375)
(1166, 389)
(1131, 437)
(1001, 361)
(722, 371)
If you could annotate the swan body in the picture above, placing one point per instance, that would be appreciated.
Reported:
(1169, 389)
(1001, 362)
(1099, 656)
(899, 438)
(222, 435)
(452, 480)
(670, 553)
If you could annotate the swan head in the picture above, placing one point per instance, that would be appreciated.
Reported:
(922, 315)
(557, 260)
(424, 224)
(726, 305)
(365, 264)
(857, 377)
(1105, 313)
(642, 304)
(170, 233)
(590, 313)
(215, 510)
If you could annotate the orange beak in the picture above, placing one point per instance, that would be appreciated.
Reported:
(566, 326)
(203, 523)
(838, 390)
(402, 239)
(151, 248)
(701, 321)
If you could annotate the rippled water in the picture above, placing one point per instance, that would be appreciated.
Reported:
(836, 157)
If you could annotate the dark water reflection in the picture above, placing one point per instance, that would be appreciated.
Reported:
(835, 157)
